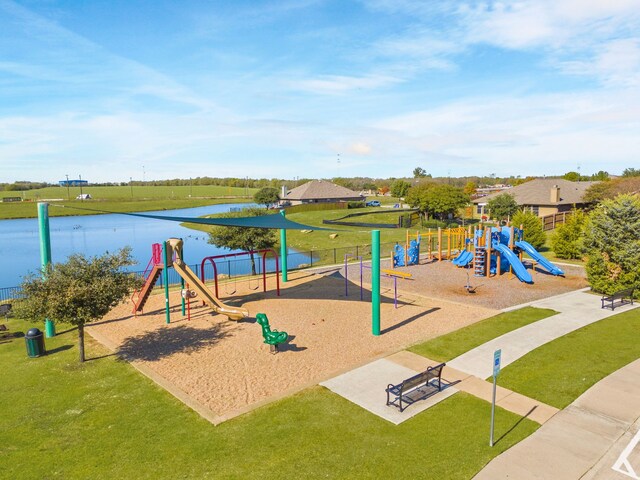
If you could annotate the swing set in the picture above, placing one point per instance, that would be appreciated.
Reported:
(263, 253)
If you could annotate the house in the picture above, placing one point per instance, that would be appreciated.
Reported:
(321, 191)
(542, 196)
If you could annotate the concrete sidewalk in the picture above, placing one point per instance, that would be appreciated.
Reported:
(593, 438)
(577, 309)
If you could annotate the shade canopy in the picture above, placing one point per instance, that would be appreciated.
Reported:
(264, 221)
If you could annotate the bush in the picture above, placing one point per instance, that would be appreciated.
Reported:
(568, 239)
(355, 205)
(613, 245)
(532, 226)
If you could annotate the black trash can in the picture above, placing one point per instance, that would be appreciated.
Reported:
(35, 343)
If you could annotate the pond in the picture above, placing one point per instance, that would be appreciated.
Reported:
(97, 234)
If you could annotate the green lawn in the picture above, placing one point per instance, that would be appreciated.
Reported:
(122, 199)
(103, 419)
(447, 347)
(560, 371)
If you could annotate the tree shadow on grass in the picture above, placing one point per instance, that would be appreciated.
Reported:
(153, 346)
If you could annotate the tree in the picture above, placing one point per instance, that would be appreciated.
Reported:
(568, 239)
(613, 245)
(502, 206)
(247, 239)
(611, 189)
(419, 172)
(266, 196)
(79, 291)
(532, 226)
(399, 188)
(631, 172)
(572, 176)
(470, 188)
(601, 176)
(439, 200)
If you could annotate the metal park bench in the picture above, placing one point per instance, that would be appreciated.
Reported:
(619, 298)
(415, 388)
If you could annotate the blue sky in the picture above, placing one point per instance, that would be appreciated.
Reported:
(112, 90)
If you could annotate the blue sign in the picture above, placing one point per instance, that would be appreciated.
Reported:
(496, 362)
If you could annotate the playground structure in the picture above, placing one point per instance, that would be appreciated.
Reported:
(262, 253)
(498, 249)
(172, 253)
(440, 244)
(273, 338)
(395, 274)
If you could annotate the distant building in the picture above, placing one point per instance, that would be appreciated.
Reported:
(320, 191)
(73, 183)
(542, 196)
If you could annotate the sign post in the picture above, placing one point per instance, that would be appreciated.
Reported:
(496, 370)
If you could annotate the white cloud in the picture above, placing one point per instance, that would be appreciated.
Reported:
(341, 84)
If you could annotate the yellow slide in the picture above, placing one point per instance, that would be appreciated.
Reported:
(234, 313)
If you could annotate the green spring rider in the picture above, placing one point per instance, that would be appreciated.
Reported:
(271, 337)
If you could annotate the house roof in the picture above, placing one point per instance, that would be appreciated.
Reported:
(319, 189)
(537, 192)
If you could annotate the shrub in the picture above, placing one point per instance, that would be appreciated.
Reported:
(568, 239)
(613, 245)
(355, 205)
(532, 226)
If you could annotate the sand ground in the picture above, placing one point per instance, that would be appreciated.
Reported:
(225, 367)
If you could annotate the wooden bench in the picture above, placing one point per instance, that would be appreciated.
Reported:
(413, 389)
(619, 298)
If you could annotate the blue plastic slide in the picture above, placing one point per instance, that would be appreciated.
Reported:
(518, 268)
(463, 259)
(543, 262)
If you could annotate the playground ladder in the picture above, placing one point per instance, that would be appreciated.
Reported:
(479, 261)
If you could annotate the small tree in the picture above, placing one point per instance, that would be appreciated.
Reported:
(399, 188)
(568, 239)
(438, 200)
(502, 206)
(613, 245)
(419, 172)
(532, 226)
(247, 239)
(266, 196)
(470, 188)
(79, 291)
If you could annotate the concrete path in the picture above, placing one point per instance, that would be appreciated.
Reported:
(596, 437)
(577, 309)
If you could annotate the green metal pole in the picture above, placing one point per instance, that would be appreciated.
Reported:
(45, 255)
(182, 282)
(165, 279)
(283, 250)
(375, 282)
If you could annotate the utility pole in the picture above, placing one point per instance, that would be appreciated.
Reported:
(68, 195)
(80, 182)
(131, 185)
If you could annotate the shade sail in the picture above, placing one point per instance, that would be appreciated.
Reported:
(264, 221)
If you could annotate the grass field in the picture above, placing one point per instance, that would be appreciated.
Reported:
(103, 419)
(447, 347)
(560, 371)
(122, 199)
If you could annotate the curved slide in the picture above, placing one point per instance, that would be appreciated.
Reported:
(537, 256)
(518, 268)
(234, 313)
